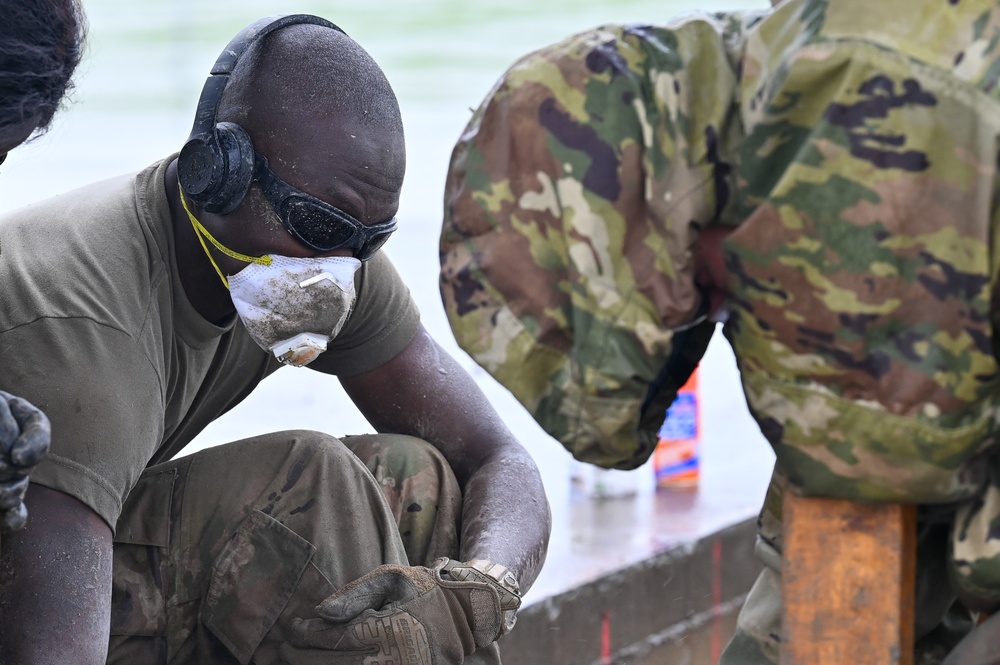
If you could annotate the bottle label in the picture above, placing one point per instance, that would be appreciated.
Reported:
(675, 460)
(682, 419)
(676, 464)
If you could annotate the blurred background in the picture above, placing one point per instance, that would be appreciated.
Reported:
(133, 104)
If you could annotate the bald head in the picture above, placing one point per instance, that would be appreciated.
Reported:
(319, 68)
(307, 88)
(322, 112)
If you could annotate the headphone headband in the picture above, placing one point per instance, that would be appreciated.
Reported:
(215, 165)
(211, 94)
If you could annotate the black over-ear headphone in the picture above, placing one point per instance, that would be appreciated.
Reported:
(216, 165)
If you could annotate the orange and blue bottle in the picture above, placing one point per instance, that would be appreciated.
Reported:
(676, 459)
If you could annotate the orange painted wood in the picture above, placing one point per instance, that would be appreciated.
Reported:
(848, 582)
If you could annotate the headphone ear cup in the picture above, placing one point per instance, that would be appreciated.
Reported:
(200, 167)
(216, 174)
(236, 149)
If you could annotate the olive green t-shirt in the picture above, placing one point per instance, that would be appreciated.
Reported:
(96, 330)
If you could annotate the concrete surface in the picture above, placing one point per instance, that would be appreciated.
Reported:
(654, 578)
(676, 606)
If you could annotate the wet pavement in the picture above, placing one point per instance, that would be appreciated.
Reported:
(677, 607)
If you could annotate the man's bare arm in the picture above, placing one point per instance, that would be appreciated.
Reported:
(424, 392)
(55, 584)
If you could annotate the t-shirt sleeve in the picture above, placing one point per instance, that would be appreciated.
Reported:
(103, 398)
(384, 320)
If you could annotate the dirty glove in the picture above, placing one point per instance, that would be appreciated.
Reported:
(24, 440)
(410, 616)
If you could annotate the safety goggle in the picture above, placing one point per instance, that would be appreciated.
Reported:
(317, 224)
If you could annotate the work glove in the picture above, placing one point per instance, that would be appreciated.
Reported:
(25, 434)
(409, 616)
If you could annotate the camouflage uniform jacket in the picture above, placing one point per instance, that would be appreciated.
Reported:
(853, 146)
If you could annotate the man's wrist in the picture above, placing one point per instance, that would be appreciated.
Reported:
(499, 577)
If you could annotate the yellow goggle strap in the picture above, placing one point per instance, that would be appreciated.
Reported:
(202, 233)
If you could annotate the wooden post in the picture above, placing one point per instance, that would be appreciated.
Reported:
(848, 582)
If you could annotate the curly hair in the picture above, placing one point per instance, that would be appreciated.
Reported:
(41, 42)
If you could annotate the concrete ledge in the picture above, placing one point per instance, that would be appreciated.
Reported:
(676, 606)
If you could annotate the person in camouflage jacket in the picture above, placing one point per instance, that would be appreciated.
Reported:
(847, 153)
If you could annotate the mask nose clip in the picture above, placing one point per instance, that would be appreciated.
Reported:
(317, 278)
(344, 280)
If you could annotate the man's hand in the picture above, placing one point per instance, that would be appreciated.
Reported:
(25, 434)
(410, 615)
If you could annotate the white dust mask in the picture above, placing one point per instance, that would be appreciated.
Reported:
(290, 306)
(293, 307)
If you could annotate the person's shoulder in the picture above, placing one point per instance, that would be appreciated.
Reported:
(102, 204)
(84, 253)
(640, 46)
(72, 228)
(950, 35)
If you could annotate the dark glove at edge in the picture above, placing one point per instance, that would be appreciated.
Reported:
(25, 436)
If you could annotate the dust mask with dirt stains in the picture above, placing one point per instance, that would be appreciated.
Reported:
(292, 307)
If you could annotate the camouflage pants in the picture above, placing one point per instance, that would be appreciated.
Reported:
(941, 621)
(216, 553)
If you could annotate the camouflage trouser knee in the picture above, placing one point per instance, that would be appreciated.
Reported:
(216, 553)
(941, 622)
(412, 475)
